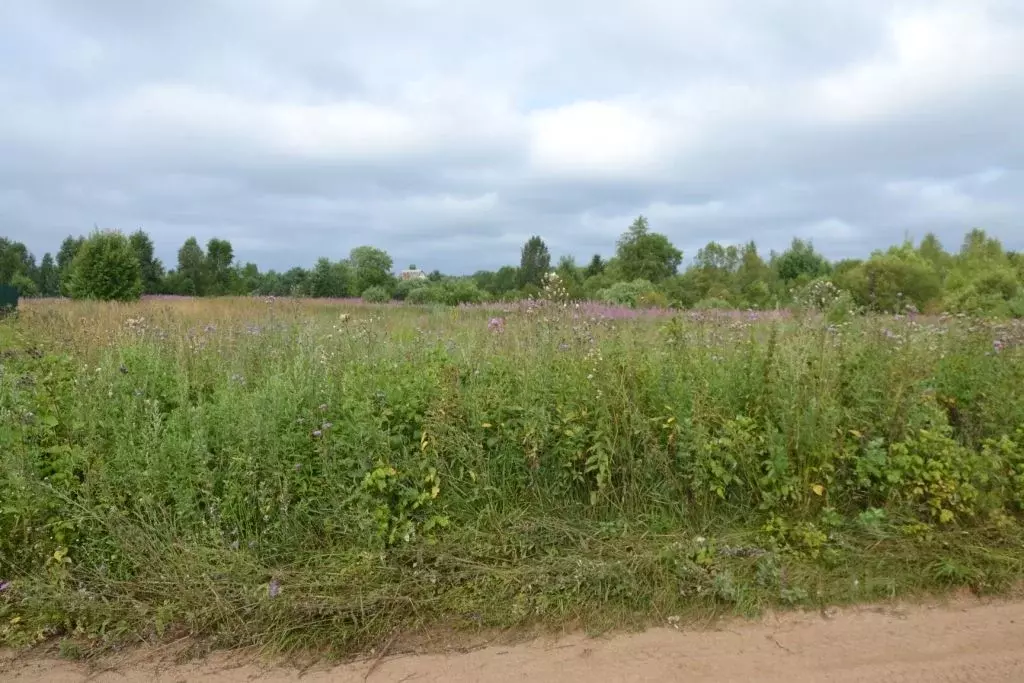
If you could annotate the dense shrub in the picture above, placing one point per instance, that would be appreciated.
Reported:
(627, 293)
(24, 284)
(376, 295)
(106, 269)
(422, 295)
(712, 304)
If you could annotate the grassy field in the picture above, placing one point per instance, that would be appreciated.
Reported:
(323, 474)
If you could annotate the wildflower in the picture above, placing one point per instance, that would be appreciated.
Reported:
(997, 345)
(234, 544)
(323, 407)
(326, 425)
(4, 585)
(317, 433)
(274, 588)
(496, 325)
(298, 466)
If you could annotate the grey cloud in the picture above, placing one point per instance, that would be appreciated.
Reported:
(447, 131)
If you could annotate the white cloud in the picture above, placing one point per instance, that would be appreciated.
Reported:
(349, 129)
(935, 52)
(599, 139)
(830, 229)
(439, 127)
(954, 198)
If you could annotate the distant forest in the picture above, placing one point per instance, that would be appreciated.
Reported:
(979, 277)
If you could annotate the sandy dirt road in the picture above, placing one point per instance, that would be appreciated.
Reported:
(963, 641)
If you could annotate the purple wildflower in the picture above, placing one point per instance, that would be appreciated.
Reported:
(317, 433)
(496, 325)
(998, 345)
(4, 585)
(274, 588)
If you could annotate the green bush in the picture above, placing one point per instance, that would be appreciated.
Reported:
(627, 293)
(422, 295)
(106, 269)
(1016, 306)
(458, 292)
(405, 287)
(376, 295)
(712, 304)
(25, 286)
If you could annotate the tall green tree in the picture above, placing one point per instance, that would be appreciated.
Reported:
(801, 262)
(978, 246)
(219, 256)
(506, 279)
(372, 268)
(151, 268)
(534, 262)
(595, 267)
(192, 274)
(755, 280)
(49, 276)
(106, 269)
(65, 257)
(931, 250)
(713, 271)
(571, 277)
(982, 279)
(247, 279)
(293, 282)
(330, 280)
(15, 260)
(645, 255)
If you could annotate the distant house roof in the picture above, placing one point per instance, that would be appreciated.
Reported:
(416, 274)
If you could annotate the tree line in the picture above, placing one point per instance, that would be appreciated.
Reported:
(980, 277)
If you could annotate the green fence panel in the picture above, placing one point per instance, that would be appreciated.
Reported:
(8, 299)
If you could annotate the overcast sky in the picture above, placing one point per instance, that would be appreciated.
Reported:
(448, 131)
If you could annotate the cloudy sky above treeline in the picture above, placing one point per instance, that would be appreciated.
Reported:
(449, 131)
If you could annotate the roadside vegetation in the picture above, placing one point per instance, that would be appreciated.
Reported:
(312, 473)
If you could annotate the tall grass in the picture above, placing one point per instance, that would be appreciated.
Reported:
(299, 473)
